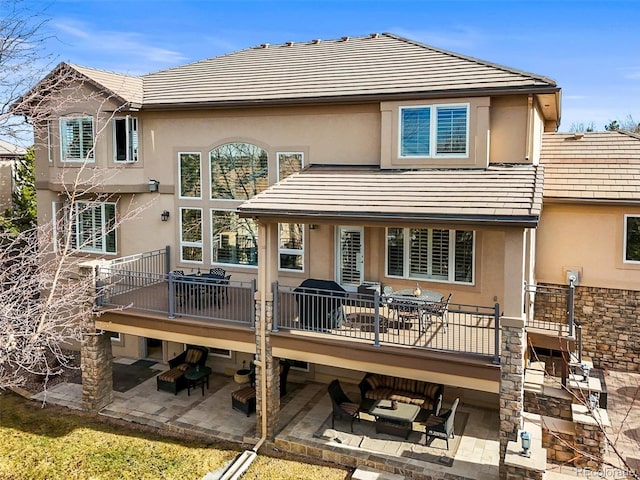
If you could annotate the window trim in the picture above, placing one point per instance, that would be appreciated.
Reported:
(626, 238)
(406, 256)
(433, 130)
(292, 251)
(184, 243)
(180, 196)
(128, 139)
(63, 120)
(226, 264)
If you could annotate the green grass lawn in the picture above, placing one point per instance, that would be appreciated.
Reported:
(56, 443)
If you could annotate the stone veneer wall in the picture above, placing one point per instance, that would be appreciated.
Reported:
(541, 404)
(511, 387)
(610, 324)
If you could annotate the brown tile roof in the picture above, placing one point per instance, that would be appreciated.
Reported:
(602, 166)
(375, 65)
(496, 195)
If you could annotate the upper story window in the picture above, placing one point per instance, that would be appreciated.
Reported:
(431, 254)
(190, 166)
(434, 131)
(93, 227)
(632, 238)
(238, 171)
(291, 246)
(125, 139)
(76, 139)
(234, 239)
(191, 234)
(289, 163)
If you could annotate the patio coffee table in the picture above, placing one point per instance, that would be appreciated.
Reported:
(197, 377)
(396, 421)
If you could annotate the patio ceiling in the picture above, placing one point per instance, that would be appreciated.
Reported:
(498, 195)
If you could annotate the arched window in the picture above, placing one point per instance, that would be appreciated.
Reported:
(238, 171)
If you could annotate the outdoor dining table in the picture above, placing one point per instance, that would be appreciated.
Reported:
(204, 287)
(408, 305)
(408, 295)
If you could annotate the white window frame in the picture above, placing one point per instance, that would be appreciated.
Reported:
(180, 196)
(212, 211)
(279, 154)
(291, 251)
(82, 205)
(184, 243)
(433, 130)
(49, 142)
(90, 158)
(624, 246)
(131, 138)
(219, 354)
(406, 256)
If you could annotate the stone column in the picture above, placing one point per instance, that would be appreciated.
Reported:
(511, 384)
(590, 439)
(95, 356)
(271, 370)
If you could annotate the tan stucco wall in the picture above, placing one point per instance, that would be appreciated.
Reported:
(509, 129)
(587, 238)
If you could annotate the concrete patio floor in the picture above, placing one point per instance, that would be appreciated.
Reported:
(307, 407)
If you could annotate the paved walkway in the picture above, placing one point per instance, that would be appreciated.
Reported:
(306, 409)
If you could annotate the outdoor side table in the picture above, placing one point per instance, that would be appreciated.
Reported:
(197, 377)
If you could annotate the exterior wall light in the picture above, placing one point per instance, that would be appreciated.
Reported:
(164, 216)
(153, 185)
(525, 437)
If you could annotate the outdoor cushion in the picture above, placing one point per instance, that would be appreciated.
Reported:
(193, 356)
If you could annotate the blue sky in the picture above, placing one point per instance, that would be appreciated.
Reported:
(591, 48)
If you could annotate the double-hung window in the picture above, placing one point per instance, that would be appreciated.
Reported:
(291, 246)
(632, 238)
(125, 139)
(434, 131)
(190, 166)
(93, 227)
(191, 234)
(431, 254)
(76, 139)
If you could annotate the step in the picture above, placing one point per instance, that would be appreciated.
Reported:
(365, 473)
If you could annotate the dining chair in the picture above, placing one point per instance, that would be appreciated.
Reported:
(342, 406)
(441, 426)
(219, 272)
(439, 310)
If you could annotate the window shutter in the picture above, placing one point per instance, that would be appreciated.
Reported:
(439, 254)
(87, 138)
(452, 130)
(419, 252)
(132, 133)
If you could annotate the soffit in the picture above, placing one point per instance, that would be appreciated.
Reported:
(496, 195)
(591, 166)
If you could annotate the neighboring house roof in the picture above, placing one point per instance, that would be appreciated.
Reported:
(496, 195)
(344, 69)
(8, 149)
(594, 166)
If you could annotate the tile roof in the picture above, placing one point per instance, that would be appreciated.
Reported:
(127, 87)
(496, 195)
(373, 65)
(602, 166)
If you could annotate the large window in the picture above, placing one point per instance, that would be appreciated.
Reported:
(433, 131)
(238, 171)
(191, 234)
(430, 254)
(291, 246)
(93, 227)
(234, 239)
(76, 139)
(190, 175)
(632, 238)
(125, 139)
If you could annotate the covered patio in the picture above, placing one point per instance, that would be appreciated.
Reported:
(304, 426)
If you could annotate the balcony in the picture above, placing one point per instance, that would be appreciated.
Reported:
(139, 284)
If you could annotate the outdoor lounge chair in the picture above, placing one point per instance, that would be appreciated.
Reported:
(342, 406)
(173, 380)
(441, 426)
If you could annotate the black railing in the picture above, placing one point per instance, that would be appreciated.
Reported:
(462, 328)
(553, 308)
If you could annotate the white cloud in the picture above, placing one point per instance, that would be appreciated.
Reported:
(114, 48)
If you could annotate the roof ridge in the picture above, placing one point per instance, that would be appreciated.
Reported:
(543, 78)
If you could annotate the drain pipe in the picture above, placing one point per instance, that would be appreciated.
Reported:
(242, 462)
